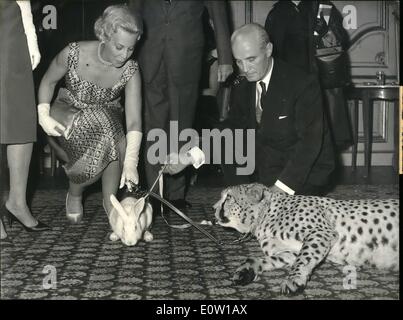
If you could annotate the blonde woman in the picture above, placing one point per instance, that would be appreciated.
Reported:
(96, 73)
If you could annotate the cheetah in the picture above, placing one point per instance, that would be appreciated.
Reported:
(299, 232)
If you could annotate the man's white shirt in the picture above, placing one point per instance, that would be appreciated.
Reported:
(266, 81)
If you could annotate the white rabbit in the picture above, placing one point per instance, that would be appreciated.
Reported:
(130, 220)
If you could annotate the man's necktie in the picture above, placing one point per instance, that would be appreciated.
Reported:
(259, 109)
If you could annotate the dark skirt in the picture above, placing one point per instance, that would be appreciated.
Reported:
(18, 120)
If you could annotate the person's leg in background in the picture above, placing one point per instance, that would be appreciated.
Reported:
(183, 99)
(232, 178)
(3, 167)
(3, 233)
(156, 116)
(19, 158)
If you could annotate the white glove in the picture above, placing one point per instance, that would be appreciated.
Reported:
(129, 173)
(48, 124)
(198, 157)
(29, 28)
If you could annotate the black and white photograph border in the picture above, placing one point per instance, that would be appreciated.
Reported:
(79, 261)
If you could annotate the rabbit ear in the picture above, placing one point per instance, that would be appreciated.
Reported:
(116, 204)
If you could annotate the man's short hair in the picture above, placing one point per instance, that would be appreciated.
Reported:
(253, 27)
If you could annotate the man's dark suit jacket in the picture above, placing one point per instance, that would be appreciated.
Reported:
(175, 31)
(293, 142)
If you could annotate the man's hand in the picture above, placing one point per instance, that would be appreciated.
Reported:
(177, 163)
(224, 71)
(274, 188)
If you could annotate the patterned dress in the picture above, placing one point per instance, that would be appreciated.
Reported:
(97, 131)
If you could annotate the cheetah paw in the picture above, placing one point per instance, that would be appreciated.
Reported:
(291, 287)
(244, 275)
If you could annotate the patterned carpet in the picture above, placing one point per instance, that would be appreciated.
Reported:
(178, 264)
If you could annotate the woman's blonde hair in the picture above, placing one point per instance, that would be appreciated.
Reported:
(114, 17)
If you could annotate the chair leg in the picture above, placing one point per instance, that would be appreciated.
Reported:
(52, 162)
(368, 124)
(355, 135)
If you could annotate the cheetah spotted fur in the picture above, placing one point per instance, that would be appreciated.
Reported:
(298, 232)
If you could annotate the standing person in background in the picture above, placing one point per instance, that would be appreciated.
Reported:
(19, 55)
(296, 32)
(207, 110)
(170, 60)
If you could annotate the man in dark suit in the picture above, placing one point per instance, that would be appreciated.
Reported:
(294, 152)
(170, 59)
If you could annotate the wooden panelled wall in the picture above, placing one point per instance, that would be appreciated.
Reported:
(374, 28)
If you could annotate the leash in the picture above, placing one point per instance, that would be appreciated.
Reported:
(145, 194)
(243, 238)
(136, 190)
(185, 217)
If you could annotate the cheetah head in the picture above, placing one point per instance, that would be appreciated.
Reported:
(240, 206)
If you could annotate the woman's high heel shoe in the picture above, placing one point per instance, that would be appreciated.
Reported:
(40, 226)
(74, 208)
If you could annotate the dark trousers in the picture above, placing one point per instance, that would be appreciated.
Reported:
(167, 101)
(232, 179)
